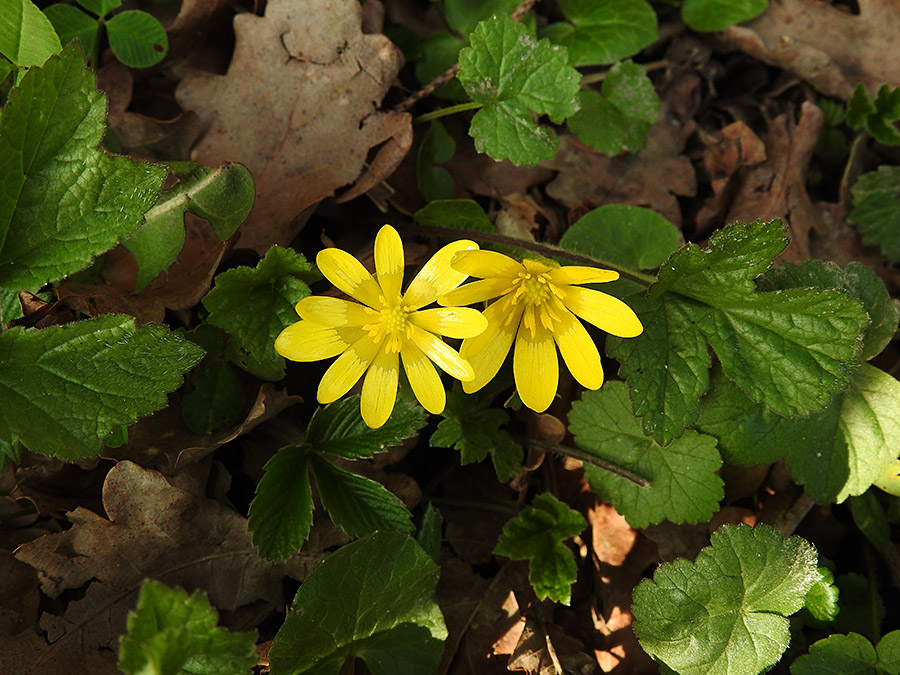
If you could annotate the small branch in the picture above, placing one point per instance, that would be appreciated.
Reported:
(593, 460)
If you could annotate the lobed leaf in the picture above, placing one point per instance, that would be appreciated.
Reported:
(850, 655)
(877, 116)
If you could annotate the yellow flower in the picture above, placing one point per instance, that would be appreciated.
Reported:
(539, 307)
(370, 338)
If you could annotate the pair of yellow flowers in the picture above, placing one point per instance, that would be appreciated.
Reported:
(538, 308)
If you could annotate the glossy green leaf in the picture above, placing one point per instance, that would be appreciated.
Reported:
(26, 36)
(70, 22)
(876, 210)
(710, 15)
(137, 39)
(851, 655)
(603, 31)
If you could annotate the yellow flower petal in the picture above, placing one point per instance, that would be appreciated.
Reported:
(334, 311)
(578, 351)
(380, 389)
(423, 378)
(487, 264)
(348, 274)
(347, 369)
(487, 352)
(454, 322)
(536, 367)
(437, 277)
(310, 341)
(477, 291)
(444, 356)
(574, 274)
(389, 262)
(604, 311)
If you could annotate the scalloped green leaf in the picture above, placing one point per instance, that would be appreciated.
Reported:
(850, 655)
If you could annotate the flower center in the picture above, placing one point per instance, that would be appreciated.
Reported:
(393, 319)
(391, 323)
(534, 290)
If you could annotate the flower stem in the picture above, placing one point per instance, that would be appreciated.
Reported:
(443, 112)
(593, 460)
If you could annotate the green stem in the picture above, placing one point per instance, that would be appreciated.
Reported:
(95, 51)
(483, 506)
(593, 460)
(443, 112)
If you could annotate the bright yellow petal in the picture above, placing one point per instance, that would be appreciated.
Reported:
(348, 274)
(578, 351)
(380, 389)
(444, 356)
(604, 311)
(536, 367)
(477, 291)
(423, 378)
(334, 311)
(454, 322)
(309, 341)
(488, 351)
(347, 369)
(487, 264)
(389, 262)
(437, 277)
(563, 276)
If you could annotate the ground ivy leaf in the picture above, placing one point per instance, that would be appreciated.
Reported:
(63, 389)
(223, 196)
(255, 305)
(281, 511)
(63, 201)
(792, 349)
(26, 36)
(617, 117)
(338, 429)
(355, 503)
(726, 613)
(514, 76)
(850, 655)
(373, 599)
(537, 534)
(876, 210)
(712, 15)
(170, 633)
(822, 599)
(682, 483)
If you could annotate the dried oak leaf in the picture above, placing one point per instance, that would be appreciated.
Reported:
(828, 47)
(298, 107)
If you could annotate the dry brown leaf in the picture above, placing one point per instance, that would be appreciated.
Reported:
(544, 649)
(828, 47)
(298, 108)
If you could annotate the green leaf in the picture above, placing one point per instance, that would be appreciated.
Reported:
(170, 633)
(682, 483)
(822, 598)
(255, 305)
(10, 307)
(137, 39)
(372, 599)
(100, 7)
(429, 534)
(792, 349)
(70, 22)
(458, 214)
(725, 614)
(434, 181)
(514, 76)
(834, 454)
(710, 15)
(889, 481)
(537, 534)
(850, 655)
(464, 15)
(26, 36)
(338, 429)
(216, 401)
(355, 503)
(281, 511)
(63, 389)
(439, 52)
(876, 210)
(472, 426)
(876, 116)
(63, 201)
(603, 31)
(224, 196)
(870, 517)
(618, 117)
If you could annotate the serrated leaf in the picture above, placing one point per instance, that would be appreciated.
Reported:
(224, 196)
(63, 389)
(372, 599)
(281, 511)
(850, 655)
(710, 15)
(834, 454)
(515, 76)
(434, 181)
(255, 305)
(617, 118)
(63, 201)
(603, 31)
(682, 483)
(26, 36)
(355, 503)
(537, 534)
(137, 39)
(170, 633)
(822, 598)
(726, 613)
(338, 429)
(70, 22)
(876, 210)
(792, 349)
(877, 116)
